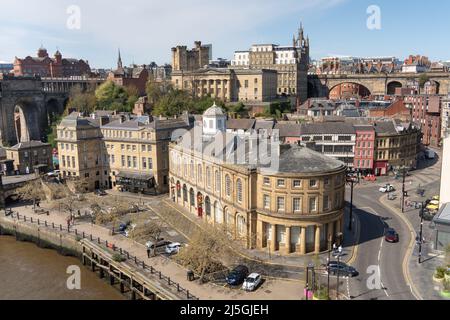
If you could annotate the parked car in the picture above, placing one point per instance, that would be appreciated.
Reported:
(252, 282)
(335, 268)
(53, 174)
(173, 247)
(237, 275)
(391, 235)
(160, 243)
(387, 188)
(100, 192)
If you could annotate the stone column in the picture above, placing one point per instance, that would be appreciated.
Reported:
(317, 239)
(259, 234)
(330, 234)
(273, 238)
(288, 240)
(303, 240)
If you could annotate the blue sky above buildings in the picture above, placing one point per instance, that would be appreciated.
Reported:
(145, 30)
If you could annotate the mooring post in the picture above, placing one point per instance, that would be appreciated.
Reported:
(187, 294)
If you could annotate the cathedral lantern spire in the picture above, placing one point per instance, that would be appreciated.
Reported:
(119, 61)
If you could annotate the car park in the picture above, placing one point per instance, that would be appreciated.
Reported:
(237, 275)
(252, 282)
(391, 235)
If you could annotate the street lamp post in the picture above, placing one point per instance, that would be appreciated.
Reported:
(352, 181)
(337, 285)
(421, 232)
(330, 238)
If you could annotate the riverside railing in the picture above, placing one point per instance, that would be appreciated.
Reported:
(109, 246)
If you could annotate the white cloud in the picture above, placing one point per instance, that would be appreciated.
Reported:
(145, 30)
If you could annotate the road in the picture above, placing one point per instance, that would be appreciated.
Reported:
(377, 256)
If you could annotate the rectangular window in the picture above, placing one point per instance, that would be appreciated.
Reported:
(280, 203)
(113, 159)
(122, 147)
(297, 204)
(312, 204)
(143, 147)
(150, 163)
(266, 200)
(326, 202)
(267, 181)
(134, 147)
(129, 161)
(280, 183)
(326, 181)
(297, 183)
(135, 162)
(313, 183)
(144, 163)
(123, 161)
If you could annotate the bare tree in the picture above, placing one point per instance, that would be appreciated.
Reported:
(207, 250)
(32, 191)
(150, 230)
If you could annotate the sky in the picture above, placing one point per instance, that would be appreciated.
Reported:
(146, 30)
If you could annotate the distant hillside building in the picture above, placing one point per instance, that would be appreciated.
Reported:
(190, 60)
(290, 62)
(44, 66)
(135, 76)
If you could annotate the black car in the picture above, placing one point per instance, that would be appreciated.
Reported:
(100, 192)
(335, 268)
(237, 276)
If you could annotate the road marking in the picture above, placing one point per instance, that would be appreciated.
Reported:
(408, 253)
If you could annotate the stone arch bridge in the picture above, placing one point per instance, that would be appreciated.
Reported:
(28, 104)
(376, 84)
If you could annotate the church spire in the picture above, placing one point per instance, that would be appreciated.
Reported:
(119, 61)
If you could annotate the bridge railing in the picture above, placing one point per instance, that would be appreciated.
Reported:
(107, 245)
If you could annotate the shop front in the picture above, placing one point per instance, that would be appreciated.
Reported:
(136, 182)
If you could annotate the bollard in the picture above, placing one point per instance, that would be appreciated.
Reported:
(178, 287)
(128, 255)
(31, 219)
(60, 227)
(159, 274)
(90, 236)
(46, 223)
(98, 240)
(135, 259)
(168, 279)
(53, 225)
(39, 223)
(143, 264)
(83, 235)
(107, 243)
(151, 269)
(76, 232)
(187, 294)
(120, 250)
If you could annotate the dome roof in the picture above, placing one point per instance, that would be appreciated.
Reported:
(214, 111)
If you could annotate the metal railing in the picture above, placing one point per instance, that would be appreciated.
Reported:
(108, 246)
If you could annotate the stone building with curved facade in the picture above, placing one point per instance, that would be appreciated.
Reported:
(292, 204)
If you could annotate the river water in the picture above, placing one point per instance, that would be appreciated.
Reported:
(29, 272)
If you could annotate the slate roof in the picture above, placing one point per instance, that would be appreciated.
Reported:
(29, 144)
(327, 128)
(288, 129)
(244, 124)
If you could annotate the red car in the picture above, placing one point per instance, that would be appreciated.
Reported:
(391, 236)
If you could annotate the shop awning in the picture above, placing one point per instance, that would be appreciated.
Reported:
(133, 175)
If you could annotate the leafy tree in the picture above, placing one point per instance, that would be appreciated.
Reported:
(113, 97)
(156, 90)
(173, 103)
(423, 79)
(81, 101)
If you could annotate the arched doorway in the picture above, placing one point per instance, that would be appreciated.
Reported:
(208, 207)
(241, 226)
(185, 199)
(199, 205)
(191, 198)
(392, 86)
(178, 190)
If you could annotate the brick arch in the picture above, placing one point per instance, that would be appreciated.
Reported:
(363, 90)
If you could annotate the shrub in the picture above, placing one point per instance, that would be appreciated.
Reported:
(440, 272)
(447, 286)
(321, 293)
(118, 257)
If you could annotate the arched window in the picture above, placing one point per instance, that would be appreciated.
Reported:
(239, 190)
(208, 177)
(184, 193)
(208, 206)
(185, 167)
(241, 226)
(228, 185)
(179, 165)
(199, 173)
(178, 189)
(192, 169)
(192, 197)
(218, 181)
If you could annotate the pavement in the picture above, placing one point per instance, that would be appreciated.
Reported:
(270, 290)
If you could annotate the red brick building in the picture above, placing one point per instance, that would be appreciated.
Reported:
(396, 110)
(45, 66)
(426, 111)
(136, 76)
(364, 148)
